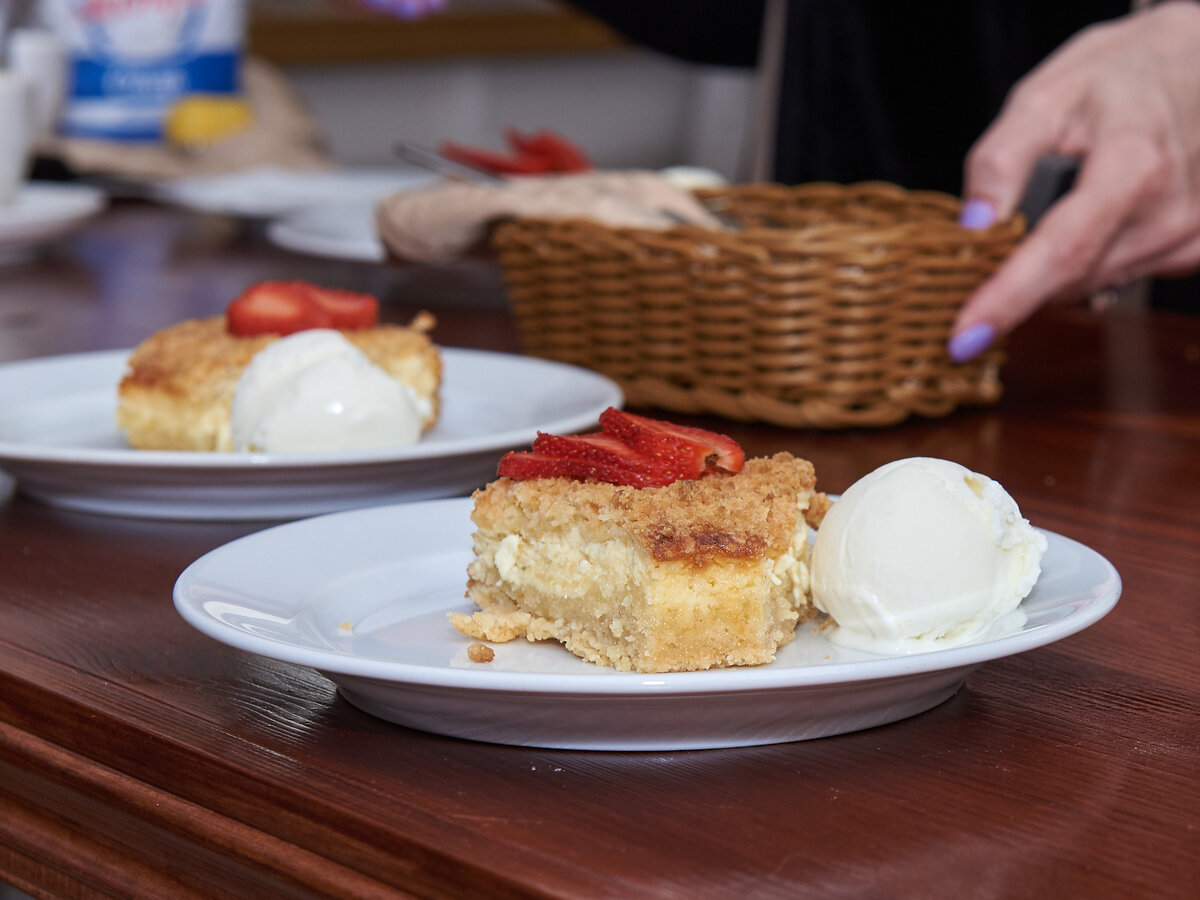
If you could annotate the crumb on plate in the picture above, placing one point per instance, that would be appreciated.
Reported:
(480, 653)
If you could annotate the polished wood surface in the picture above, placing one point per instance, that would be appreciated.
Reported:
(139, 758)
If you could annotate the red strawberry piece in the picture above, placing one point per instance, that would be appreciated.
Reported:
(522, 464)
(598, 445)
(631, 450)
(346, 309)
(275, 307)
(494, 162)
(530, 464)
(560, 154)
(603, 450)
(689, 452)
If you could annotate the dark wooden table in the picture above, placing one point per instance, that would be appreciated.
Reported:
(139, 758)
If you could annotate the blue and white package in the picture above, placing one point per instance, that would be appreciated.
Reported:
(130, 60)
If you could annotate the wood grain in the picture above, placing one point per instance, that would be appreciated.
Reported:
(139, 758)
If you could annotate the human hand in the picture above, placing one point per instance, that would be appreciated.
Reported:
(1124, 99)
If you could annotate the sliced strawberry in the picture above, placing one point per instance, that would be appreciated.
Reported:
(560, 154)
(523, 464)
(529, 464)
(688, 451)
(631, 450)
(494, 162)
(275, 307)
(346, 309)
(603, 450)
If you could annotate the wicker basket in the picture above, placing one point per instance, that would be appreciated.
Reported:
(829, 308)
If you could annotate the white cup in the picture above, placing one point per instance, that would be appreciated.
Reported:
(15, 143)
(41, 56)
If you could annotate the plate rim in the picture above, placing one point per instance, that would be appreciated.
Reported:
(189, 460)
(70, 203)
(630, 684)
(188, 191)
(283, 233)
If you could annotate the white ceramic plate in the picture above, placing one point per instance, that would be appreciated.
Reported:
(59, 440)
(43, 210)
(362, 597)
(269, 191)
(336, 230)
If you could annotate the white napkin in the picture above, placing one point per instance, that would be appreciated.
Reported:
(440, 223)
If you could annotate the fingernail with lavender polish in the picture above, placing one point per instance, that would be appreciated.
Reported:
(970, 342)
(977, 215)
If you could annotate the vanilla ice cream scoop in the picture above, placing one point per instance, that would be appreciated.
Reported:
(314, 390)
(922, 554)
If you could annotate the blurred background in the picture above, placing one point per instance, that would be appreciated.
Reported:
(479, 66)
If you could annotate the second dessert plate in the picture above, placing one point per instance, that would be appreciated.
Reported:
(59, 440)
(268, 191)
(43, 211)
(362, 597)
(338, 230)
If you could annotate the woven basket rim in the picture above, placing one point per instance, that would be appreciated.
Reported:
(836, 323)
(936, 228)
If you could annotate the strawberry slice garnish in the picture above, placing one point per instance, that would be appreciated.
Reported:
(606, 452)
(528, 464)
(275, 307)
(631, 450)
(689, 451)
(494, 162)
(346, 309)
(285, 307)
(560, 154)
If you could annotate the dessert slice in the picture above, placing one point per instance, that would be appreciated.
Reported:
(179, 385)
(703, 571)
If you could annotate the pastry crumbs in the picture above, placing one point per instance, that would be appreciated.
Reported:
(480, 653)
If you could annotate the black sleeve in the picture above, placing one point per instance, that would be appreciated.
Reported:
(715, 32)
(875, 89)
